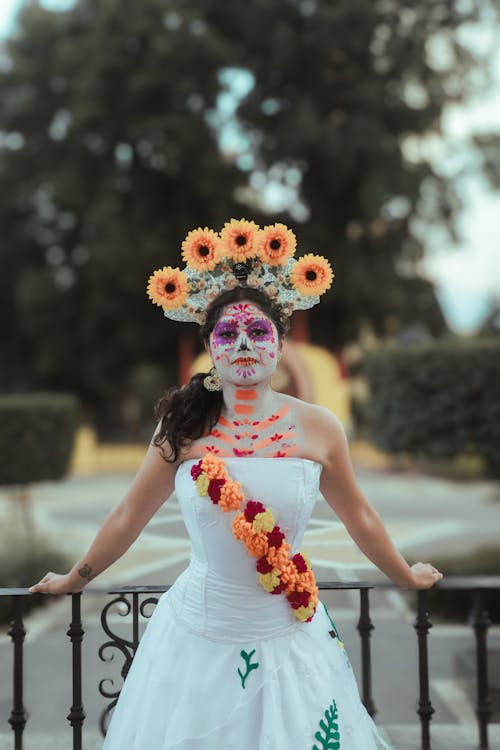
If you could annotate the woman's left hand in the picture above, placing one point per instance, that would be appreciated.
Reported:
(54, 583)
(424, 575)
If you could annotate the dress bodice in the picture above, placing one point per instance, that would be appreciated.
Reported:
(219, 591)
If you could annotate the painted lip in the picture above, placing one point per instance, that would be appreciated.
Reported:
(245, 361)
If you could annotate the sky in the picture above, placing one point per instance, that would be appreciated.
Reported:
(467, 275)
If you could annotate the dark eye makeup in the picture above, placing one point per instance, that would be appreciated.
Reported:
(224, 332)
(260, 329)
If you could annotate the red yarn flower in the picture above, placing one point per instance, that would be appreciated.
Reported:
(252, 508)
(300, 563)
(279, 588)
(196, 470)
(275, 537)
(299, 599)
(214, 489)
(263, 565)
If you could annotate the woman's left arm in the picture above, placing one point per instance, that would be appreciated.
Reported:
(340, 490)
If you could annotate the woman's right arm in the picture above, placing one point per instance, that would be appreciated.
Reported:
(152, 485)
(340, 490)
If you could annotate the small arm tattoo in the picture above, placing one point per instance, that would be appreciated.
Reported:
(85, 572)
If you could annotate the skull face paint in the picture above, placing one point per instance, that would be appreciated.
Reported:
(244, 344)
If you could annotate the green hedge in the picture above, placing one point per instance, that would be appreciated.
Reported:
(37, 433)
(438, 400)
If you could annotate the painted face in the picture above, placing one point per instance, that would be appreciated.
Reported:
(244, 344)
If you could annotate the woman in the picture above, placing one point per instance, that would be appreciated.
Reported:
(239, 654)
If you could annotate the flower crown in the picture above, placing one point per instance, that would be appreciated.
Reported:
(241, 255)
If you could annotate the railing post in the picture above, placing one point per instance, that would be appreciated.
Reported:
(17, 633)
(481, 623)
(135, 628)
(425, 707)
(76, 715)
(365, 626)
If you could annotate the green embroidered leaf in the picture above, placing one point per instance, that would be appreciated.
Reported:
(329, 737)
(247, 657)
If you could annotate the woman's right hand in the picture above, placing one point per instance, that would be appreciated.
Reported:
(53, 583)
(424, 575)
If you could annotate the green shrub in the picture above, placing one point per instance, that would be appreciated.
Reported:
(37, 432)
(438, 400)
(457, 605)
(23, 563)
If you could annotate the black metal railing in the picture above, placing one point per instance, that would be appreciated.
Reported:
(127, 647)
(130, 599)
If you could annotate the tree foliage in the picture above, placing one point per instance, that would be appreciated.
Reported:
(125, 124)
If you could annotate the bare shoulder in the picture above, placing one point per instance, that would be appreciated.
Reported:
(323, 431)
(318, 416)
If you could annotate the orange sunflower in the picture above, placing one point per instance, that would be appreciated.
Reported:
(201, 249)
(239, 239)
(168, 288)
(311, 275)
(276, 243)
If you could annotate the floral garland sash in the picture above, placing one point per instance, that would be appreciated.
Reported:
(255, 527)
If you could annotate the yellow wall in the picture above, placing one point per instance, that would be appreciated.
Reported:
(89, 457)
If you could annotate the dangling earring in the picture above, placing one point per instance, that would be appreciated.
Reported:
(212, 382)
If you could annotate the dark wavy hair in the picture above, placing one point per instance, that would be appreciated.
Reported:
(187, 413)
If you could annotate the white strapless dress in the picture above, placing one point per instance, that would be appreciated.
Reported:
(224, 665)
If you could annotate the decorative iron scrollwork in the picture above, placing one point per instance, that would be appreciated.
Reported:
(124, 646)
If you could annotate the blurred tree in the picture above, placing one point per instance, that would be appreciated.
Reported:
(490, 326)
(125, 124)
(107, 158)
(346, 96)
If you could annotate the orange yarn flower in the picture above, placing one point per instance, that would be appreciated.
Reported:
(278, 556)
(201, 249)
(257, 545)
(231, 496)
(241, 527)
(168, 288)
(239, 239)
(288, 576)
(276, 243)
(213, 467)
(311, 275)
